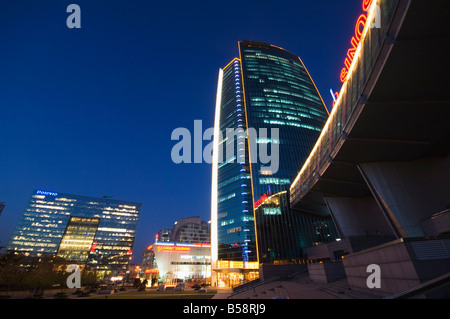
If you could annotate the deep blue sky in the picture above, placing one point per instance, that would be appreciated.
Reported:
(90, 111)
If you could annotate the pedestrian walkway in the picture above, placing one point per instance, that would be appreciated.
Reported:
(301, 288)
(222, 293)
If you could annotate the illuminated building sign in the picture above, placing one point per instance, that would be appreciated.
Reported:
(262, 199)
(46, 193)
(360, 24)
(227, 264)
(177, 247)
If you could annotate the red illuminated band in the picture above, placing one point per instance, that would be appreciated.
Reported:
(359, 28)
(344, 74)
(262, 199)
(361, 22)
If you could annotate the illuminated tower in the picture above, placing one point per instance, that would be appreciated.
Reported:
(269, 92)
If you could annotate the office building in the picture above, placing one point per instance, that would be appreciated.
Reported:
(268, 97)
(183, 255)
(93, 232)
(190, 230)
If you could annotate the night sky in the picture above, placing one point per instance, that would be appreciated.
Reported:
(90, 111)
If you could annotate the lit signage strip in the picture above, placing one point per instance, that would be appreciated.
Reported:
(176, 249)
(166, 243)
(359, 28)
(372, 12)
(46, 193)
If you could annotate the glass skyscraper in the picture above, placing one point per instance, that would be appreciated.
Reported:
(98, 233)
(269, 92)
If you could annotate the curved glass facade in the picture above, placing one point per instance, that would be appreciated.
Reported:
(280, 94)
(267, 98)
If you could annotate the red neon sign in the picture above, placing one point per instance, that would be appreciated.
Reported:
(262, 199)
(366, 4)
(360, 24)
(93, 246)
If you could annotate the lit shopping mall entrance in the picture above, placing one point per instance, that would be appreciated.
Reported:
(235, 273)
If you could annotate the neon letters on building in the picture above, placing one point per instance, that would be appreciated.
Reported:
(46, 193)
(360, 24)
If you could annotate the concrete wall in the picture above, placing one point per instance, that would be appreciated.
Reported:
(358, 216)
(350, 245)
(402, 266)
(397, 269)
(269, 271)
(326, 272)
(437, 225)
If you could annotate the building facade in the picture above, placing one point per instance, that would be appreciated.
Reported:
(190, 230)
(283, 235)
(179, 254)
(182, 262)
(97, 233)
(164, 234)
(267, 97)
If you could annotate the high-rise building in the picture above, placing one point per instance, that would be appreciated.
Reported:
(97, 233)
(267, 98)
(190, 230)
(164, 234)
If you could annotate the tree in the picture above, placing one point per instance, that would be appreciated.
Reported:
(88, 278)
(45, 272)
(11, 272)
